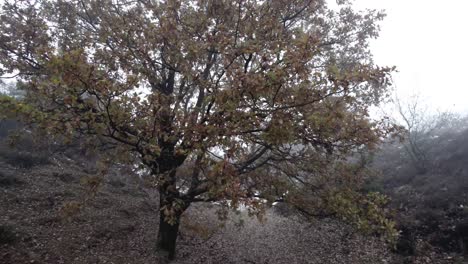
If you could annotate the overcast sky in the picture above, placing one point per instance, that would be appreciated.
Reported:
(428, 42)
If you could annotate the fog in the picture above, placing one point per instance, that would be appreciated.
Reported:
(426, 41)
(200, 133)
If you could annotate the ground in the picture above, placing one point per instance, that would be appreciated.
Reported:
(119, 225)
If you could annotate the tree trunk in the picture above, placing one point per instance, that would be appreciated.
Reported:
(167, 236)
(169, 225)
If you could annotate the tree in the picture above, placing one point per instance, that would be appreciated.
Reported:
(9, 89)
(234, 91)
(423, 126)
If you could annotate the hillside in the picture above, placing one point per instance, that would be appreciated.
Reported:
(119, 224)
(430, 206)
(40, 221)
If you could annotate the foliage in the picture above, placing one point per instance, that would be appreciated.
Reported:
(339, 192)
(366, 211)
(252, 93)
(14, 109)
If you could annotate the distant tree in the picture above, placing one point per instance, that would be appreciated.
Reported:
(7, 124)
(423, 125)
(10, 89)
(239, 91)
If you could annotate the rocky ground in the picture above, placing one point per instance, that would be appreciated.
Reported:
(40, 222)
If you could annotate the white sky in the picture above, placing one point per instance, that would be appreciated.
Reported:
(428, 42)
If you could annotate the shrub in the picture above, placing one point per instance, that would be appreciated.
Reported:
(24, 160)
(7, 126)
(406, 243)
(7, 180)
(7, 235)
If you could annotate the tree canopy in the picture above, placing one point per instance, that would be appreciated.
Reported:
(248, 97)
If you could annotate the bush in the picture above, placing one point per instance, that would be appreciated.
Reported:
(24, 160)
(429, 219)
(7, 180)
(7, 126)
(406, 243)
(7, 235)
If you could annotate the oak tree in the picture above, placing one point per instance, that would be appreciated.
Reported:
(249, 97)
